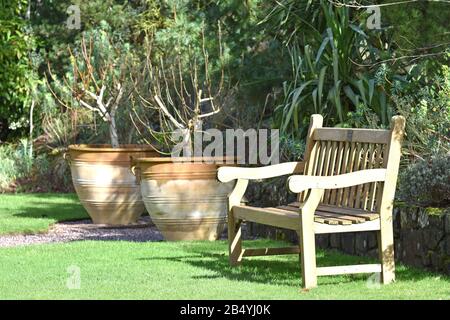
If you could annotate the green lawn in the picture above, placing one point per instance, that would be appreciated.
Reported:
(188, 270)
(170, 270)
(33, 213)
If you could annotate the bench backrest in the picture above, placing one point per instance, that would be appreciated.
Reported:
(333, 151)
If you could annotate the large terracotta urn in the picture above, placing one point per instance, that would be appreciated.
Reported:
(184, 199)
(107, 189)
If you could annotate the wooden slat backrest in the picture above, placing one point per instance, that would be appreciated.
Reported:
(333, 151)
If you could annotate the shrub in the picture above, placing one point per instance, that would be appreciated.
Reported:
(44, 172)
(426, 107)
(50, 173)
(291, 149)
(16, 75)
(427, 182)
(7, 169)
(15, 163)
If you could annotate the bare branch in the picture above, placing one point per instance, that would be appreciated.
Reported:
(167, 113)
(209, 114)
(118, 98)
(360, 6)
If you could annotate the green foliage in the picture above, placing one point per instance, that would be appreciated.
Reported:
(419, 24)
(149, 19)
(425, 103)
(329, 73)
(50, 173)
(246, 52)
(16, 77)
(330, 62)
(363, 117)
(61, 129)
(47, 23)
(355, 76)
(427, 182)
(100, 58)
(291, 149)
(48, 20)
(15, 163)
(192, 25)
(22, 171)
(108, 51)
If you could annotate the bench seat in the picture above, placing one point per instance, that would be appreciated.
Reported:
(326, 218)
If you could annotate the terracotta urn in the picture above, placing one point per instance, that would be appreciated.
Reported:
(104, 183)
(184, 198)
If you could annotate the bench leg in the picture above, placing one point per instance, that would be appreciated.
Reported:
(308, 257)
(386, 253)
(234, 240)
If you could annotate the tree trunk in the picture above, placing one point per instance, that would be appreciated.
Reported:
(130, 135)
(112, 118)
(187, 144)
(31, 129)
(113, 131)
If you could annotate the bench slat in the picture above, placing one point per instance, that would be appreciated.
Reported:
(351, 219)
(352, 135)
(368, 215)
(329, 217)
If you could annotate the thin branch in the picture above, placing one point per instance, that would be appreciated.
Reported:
(360, 6)
(167, 113)
(415, 57)
(55, 95)
(208, 114)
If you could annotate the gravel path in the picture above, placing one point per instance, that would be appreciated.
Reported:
(142, 231)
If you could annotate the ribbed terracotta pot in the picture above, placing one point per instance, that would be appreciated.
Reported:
(107, 189)
(184, 199)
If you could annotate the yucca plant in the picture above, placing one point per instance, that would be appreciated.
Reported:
(336, 72)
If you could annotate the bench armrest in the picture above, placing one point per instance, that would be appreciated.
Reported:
(226, 174)
(299, 183)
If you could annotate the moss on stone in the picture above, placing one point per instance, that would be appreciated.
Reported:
(429, 210)
(435, 211)
(401, 204)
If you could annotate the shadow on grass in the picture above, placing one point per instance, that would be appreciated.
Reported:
(64, 207)
(278, 270)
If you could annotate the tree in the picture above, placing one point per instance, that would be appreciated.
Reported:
(16, 43)
(100, 77)
(183, 93)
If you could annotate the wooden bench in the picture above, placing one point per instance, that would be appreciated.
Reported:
(346, 184)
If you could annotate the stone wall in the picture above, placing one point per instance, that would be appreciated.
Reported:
(421, 235)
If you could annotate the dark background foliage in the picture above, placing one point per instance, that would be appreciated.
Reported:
(282, 61)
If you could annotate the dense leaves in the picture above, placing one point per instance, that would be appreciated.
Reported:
(280, 61)
(341, 68)
(16, 44)
(427, 182)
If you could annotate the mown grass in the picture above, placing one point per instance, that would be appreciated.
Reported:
(170, 270)
(34, 213)
(189, 270)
